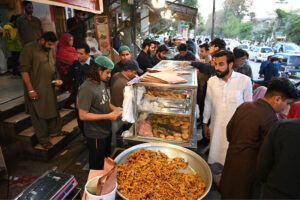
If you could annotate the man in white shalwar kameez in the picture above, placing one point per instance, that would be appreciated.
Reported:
(225, 92)
(93, 44)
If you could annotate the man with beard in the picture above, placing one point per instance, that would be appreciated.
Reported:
(246, 131)
(124, 55)
(225, 92)
(206, 70)
(160, 54)
(97, 112)
(144, 59)
(37, 67)
(78, 74)
(93, 44)
(29, 28)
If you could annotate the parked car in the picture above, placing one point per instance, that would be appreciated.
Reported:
(290, 63)
(245, 47)
(260, 53)
(286, 47)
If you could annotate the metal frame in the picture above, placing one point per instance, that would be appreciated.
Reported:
(192, 85)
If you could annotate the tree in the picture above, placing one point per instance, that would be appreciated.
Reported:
(293, 28)
(245, 31)
(201, 25)
(220, 20)
(232, 27)
(190, 3)
(239, 8)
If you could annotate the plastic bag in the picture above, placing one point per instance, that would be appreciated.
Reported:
(128, 112)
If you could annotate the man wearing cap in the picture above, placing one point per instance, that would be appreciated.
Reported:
(124, 54)
(97, 112)
(118, 83)
(120, 79)
(93, 44)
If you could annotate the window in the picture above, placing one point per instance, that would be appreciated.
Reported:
(266, 50)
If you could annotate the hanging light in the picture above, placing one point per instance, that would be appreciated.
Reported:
(158, 3)
(168, 14)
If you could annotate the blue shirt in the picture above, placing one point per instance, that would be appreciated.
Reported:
(279, 65)
(116, 43)
(270, 71)
(263, 65)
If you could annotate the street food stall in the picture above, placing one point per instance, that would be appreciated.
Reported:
(165, 105)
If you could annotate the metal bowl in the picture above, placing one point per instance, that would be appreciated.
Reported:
(196, 164)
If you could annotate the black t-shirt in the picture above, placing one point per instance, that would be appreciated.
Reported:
(189, 56)
(94, 98)
(144, 60)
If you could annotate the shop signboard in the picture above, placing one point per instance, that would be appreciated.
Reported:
(184, 29)
(95, 6)
(103, 37)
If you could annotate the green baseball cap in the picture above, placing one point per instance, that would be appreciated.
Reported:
(104, 62)
(124, 48)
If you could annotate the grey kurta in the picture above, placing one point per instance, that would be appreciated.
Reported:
(40, 66)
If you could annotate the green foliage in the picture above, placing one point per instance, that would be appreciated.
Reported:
(191, 3)
(245, 31)
(293, 28)
(239, 8)
(232, 27)
(281, 14)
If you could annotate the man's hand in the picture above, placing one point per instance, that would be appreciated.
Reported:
(93, 49)
(185, 63)
(33, 95)
(206, 131)
(114, 115)
(57, 82)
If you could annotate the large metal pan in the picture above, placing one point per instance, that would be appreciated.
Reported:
(196, 164)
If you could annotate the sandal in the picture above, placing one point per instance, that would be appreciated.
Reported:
(47, 145)
(62, 133)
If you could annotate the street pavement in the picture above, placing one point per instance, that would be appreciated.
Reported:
(255, 68)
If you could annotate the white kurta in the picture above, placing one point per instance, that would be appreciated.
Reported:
(221, 101)
(92, 42)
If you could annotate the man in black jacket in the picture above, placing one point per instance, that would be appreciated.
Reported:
(278, 161)
(78, 73)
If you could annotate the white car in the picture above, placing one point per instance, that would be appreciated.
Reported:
(260, 53)
(245, 47)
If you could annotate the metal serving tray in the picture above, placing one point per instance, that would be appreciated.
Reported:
(196, 164)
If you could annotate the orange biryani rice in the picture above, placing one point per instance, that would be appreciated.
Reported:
(151, 175)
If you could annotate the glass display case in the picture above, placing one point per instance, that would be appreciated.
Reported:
(166, 112)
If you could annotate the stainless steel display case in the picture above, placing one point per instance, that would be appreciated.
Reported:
(184, 108)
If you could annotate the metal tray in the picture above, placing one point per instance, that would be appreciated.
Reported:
(196, 164)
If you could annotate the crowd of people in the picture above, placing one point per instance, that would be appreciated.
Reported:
(238, 120)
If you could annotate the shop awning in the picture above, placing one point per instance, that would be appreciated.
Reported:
(94, 6)
(183, 12)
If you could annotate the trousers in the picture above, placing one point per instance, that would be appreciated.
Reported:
(98, 150)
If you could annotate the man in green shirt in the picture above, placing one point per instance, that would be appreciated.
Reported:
(97, 112)
(37, 67)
